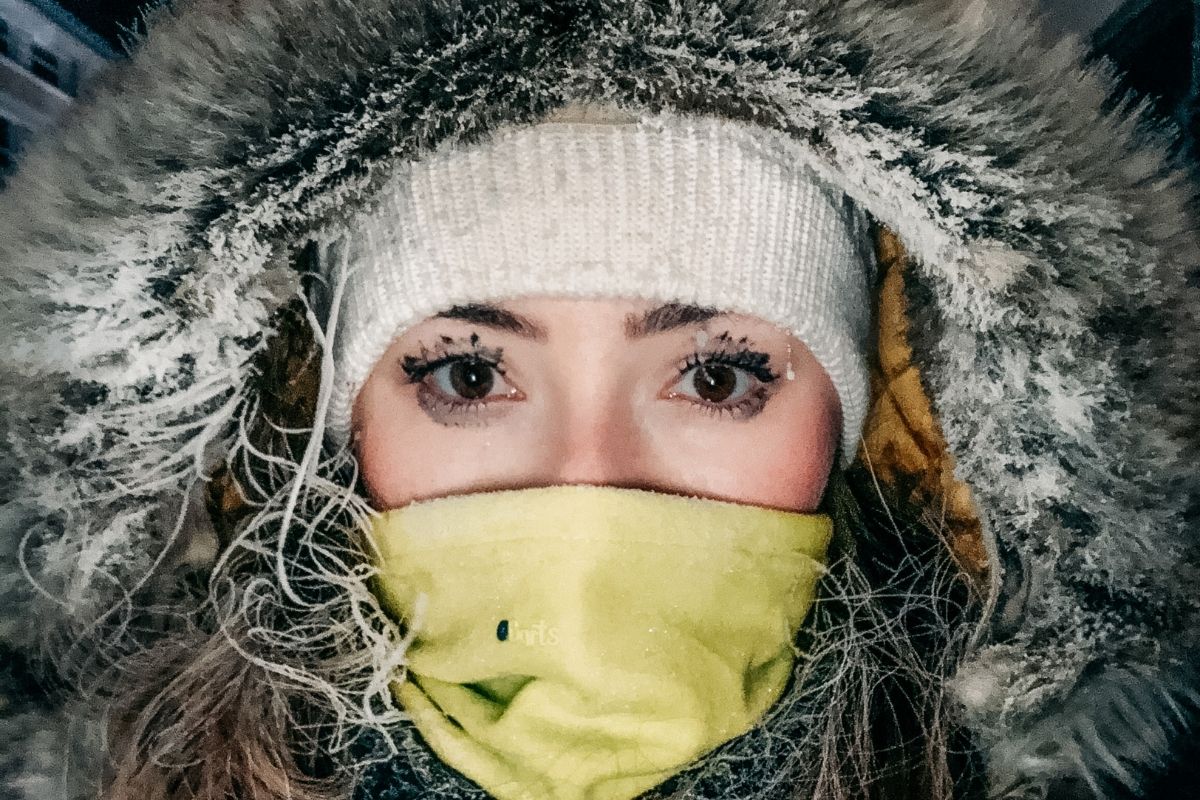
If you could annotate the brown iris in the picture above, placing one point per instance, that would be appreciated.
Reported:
(471, 379)
(714, 382)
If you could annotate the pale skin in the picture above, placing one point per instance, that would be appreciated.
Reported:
(540, 391)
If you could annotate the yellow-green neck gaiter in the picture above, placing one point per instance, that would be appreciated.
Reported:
(587, 642)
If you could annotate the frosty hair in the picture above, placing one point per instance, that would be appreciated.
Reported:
(277, 683)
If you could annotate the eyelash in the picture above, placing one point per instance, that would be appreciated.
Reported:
(419, 368)
(750, 361)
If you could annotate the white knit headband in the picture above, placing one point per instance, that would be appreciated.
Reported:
(687, 209)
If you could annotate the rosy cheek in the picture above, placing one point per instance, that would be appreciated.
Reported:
(789, 462)
(404, 456)
(806, 475)
(377, 465)
(385, 448)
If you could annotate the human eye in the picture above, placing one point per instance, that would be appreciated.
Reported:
(453, 383)
(731, 380)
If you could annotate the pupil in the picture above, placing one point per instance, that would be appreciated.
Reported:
(714, 383)
(472, 380)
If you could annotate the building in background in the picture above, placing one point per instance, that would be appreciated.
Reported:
(46, 55)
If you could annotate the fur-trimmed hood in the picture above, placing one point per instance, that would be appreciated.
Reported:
(1052, 292)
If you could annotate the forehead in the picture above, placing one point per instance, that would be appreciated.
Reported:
(537, 317)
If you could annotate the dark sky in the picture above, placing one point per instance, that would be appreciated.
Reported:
(105, 16)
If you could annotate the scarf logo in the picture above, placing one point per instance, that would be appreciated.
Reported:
(539, 633)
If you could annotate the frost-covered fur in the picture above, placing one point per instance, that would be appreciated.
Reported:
(1055, 295)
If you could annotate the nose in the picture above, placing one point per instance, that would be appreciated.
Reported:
(602, 443)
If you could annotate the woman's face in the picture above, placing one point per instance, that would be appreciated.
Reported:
(537, 391)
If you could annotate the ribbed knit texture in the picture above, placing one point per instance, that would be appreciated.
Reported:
(676, 208)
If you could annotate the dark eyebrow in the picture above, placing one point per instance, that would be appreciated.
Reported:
(491, 316)
(660, 319)
(667, 317)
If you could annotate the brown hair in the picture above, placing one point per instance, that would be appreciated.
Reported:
(198, 718)
(195, 718)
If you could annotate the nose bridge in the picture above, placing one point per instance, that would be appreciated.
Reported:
(600, 441)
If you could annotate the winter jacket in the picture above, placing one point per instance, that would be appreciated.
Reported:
(1011, 613)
